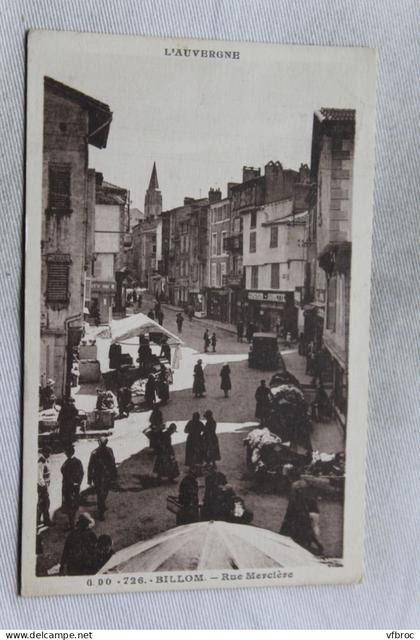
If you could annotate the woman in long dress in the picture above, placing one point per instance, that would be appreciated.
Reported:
(166, 465)
(150, 391)
(199, 387)
(211, 450)
(194, 444)
(225, 383)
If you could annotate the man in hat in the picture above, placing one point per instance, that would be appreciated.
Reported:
(44, 478)
(102, 472)
(72, 471)
(80, 549)
(48, 396)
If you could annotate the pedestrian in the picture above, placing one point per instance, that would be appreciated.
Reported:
(159, 315)
(104, 551)
(206, 339)
(301, 521)
(79, 555)
(213, 341)
(165, 351)
(249, 331)
(114, 355)
(48, 396)
(194, 444)
(225, 383)
(263, 401)
(239, 513)
(150, 391)
(211, 449)
(179, 322)
(188, 499)
(124, 401)
(224, 504)
(102, 472)
(190, 312)
(75, 373)
(214, 481)
(199, 387)
(72, 472)
(240, 330)
(165, 465)
(43, 485)
(162, 386)
(151, 314)
(67, 422)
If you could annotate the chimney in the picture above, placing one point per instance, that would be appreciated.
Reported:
(249, 173)
(215, 195)
(304, 174)
(230, 186)
(99, 178)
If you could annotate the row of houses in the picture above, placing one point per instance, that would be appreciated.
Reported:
(274, 250)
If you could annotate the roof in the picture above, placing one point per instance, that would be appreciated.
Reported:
(108, 193)
(336, 115)
(100, 115)
(153, 184)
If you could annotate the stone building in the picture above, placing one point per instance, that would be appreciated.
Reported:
(147, 239)
(273, 208)
(72, 122)
(112, 239)
(332, 172)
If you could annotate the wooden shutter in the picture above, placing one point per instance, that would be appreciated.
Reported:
(59, 187)
(58, 278)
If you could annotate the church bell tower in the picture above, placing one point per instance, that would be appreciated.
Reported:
(153, 198)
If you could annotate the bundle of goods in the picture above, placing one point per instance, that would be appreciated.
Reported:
(288, 392)
(137, 391)
(267, 453)
(326, 472)
(48, 420)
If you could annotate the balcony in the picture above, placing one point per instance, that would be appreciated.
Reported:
(233, 243)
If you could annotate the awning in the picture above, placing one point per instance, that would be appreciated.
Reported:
(135, 325)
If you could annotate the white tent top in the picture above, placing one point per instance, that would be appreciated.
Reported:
(135, 325)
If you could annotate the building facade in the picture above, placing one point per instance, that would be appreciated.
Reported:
(72, 122)
(332, 171)
(112, 239)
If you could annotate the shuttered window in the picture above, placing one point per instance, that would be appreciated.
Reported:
(59, 185)
(58, 278)
(252, 242)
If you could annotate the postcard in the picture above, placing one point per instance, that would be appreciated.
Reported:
(198, 242)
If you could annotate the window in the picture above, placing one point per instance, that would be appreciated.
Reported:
(59, 184)
(252, 242)
(224, 236)
(219, 243)
(213, 274)
(213, 244)
(58, 270)
(275, 276)
(219, 275)
(331, 307)
(274, 236)
(223, 271)
(253, 220)
(254, 277)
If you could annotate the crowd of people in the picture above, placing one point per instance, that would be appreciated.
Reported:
(83, 551)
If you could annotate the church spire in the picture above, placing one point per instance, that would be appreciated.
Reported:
(153, 199)
(153, 184)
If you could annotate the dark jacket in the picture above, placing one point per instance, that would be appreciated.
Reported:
(102, 467)
(225, 383)
(194, 443)
(79, 553)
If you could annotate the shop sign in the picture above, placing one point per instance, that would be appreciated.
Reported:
(267, 296)
(232, 280)
(103, 287)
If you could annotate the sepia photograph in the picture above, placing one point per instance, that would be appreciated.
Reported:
(198, 222)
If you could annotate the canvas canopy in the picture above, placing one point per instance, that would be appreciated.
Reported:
(135, 325)
(210, 545)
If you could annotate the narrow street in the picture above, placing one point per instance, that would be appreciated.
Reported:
(137, 510)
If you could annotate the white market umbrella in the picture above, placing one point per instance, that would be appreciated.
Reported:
(210, 545)
(136, 325)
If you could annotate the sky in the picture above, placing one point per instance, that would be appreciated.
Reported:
(201, 120)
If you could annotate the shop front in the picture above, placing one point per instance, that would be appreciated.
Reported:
(272, 311)
(218, 304)
(198, 302)
(102, 300)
